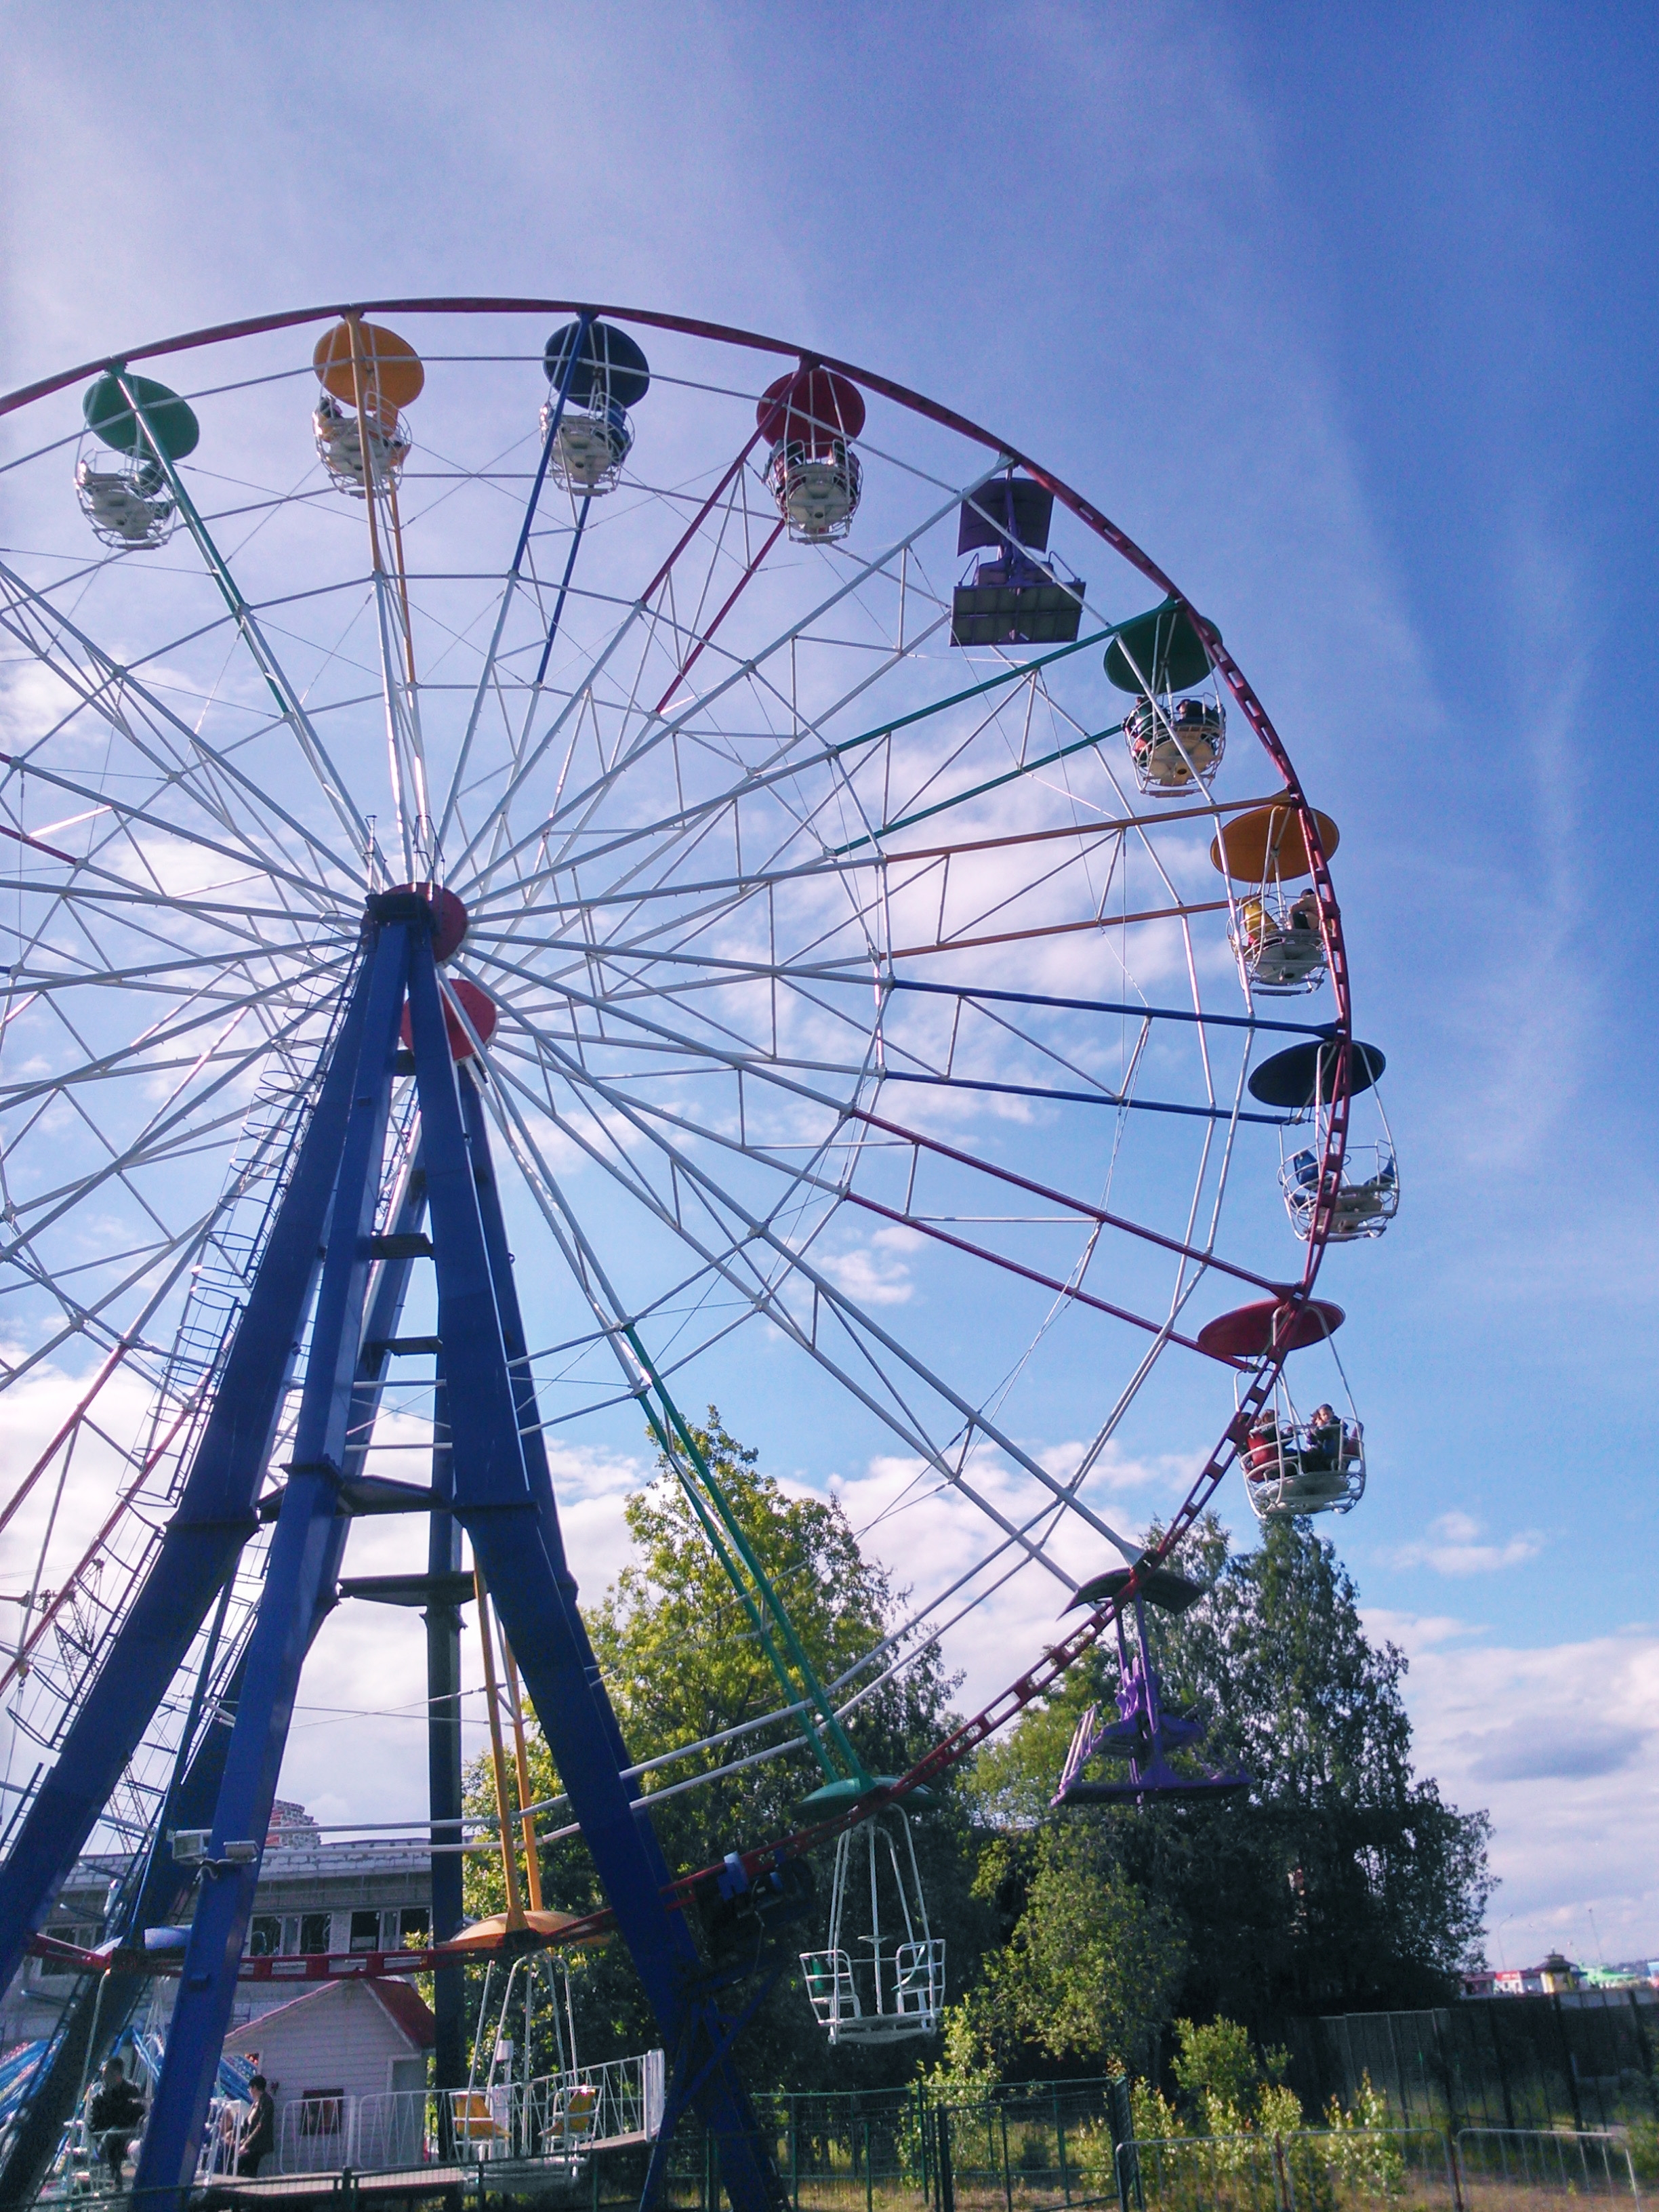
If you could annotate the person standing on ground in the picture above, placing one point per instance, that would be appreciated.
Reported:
(261, 2128)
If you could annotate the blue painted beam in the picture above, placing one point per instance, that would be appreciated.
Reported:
(513, 1523)
(204, 1539)
(304, 1556)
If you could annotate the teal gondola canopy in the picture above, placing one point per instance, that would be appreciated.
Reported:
(1159, 651)
(170, 424)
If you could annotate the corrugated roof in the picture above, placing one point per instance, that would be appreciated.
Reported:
(405, 2008)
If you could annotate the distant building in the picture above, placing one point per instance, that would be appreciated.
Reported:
(1558, 1976)
(313, 1897)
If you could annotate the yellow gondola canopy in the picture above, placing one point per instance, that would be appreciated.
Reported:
(170, 423)
(390, 367)
(1159, 651)
(1267, 845)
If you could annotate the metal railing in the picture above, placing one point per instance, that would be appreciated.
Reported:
(1545, 2162)
(557, 2117)
(1307, 2170)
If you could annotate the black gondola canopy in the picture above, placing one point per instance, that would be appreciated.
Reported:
(1303, 1076)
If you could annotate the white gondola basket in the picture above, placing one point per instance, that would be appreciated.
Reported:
(902, 1995)
(1298, 1471)
(817, 486)
(339, 434)
(1280, 951)
(888, 1981)
(1176, 745)
(1367, 1199)
(127, 499)
(590, 448)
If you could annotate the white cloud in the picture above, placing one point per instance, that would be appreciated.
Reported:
(1453, 1547)
(1561, 1744)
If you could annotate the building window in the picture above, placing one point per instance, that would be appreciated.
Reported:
(365, 1931)
(264, 1935)
(321, 2111)
(314, 1932)
(61, 1970)
(414, 1927)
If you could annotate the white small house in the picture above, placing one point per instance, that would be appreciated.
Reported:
(346, 2063)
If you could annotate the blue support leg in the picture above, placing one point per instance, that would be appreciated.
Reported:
(305, 1547)
(213, 1520)
(513, 1526)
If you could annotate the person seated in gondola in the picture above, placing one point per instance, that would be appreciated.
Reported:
(1260, 928)
(1304, 911)
(1263, 1450)
(1322, 1448)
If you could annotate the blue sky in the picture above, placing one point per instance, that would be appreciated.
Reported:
(1347, 315)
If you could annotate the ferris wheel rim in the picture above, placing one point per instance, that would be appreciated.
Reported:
(950, 419)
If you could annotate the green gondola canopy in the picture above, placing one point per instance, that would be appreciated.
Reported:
(172, 424)
(1162, 647)
(1304, 1075)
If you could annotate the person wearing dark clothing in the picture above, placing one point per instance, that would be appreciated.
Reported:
(1323, 1447)
(261, 2128)
(116, 2116)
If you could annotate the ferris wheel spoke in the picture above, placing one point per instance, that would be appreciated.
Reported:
(104, 689)
(98, 1066)
(289, 707)
(127, 813)
(831, 756)
(575, 812)
(90, 1318)
(858, 1322)
(890, 1413)
(173, 1125)
(773, 1070)
(638, 614)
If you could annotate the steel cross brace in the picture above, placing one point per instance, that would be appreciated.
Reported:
(501, 1494)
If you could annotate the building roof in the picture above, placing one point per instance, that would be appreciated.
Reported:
(405, 2008)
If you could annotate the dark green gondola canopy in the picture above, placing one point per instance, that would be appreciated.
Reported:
(1163, 647)
(172, 423)
(1304, 1075)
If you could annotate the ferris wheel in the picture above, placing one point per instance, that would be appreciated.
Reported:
(802, 870)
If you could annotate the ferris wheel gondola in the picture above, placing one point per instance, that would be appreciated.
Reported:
(881, 1979)
(1276, 936)
(1304, 1077)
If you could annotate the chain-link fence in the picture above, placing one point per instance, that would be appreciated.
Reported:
(1582, 2061)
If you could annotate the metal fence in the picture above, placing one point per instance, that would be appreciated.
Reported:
(1584, 2061)
(1311, 2170)
(1510, 2165)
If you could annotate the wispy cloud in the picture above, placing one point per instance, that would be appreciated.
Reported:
(1454, 1547)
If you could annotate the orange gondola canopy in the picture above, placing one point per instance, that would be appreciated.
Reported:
(389, 366)
(1270, 845)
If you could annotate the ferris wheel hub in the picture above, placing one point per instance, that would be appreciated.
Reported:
(448, 913)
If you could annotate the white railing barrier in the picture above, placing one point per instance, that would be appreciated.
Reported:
(1586, 2162)
(555, 2116)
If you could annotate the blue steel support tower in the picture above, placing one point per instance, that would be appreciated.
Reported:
(501, 1493)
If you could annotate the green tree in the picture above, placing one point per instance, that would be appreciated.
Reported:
(1342, 1881)
(682, 1662)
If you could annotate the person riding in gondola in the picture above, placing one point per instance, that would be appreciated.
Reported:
(1321, 1451)
(1262, 1452)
